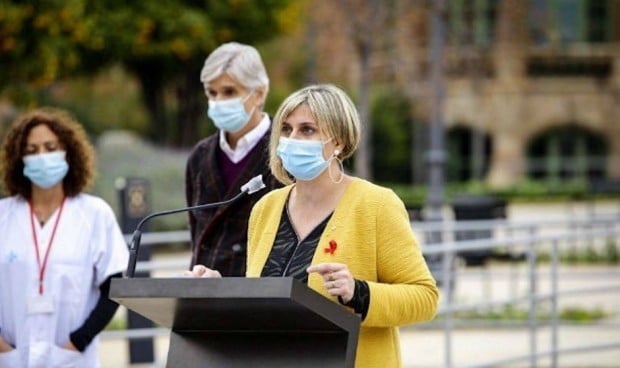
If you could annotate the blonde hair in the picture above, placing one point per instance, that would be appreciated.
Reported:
(242, 62)
(332, 110)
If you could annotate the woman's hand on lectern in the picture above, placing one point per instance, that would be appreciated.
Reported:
(202, 271)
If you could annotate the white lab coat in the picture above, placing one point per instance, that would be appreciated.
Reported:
(88, 247)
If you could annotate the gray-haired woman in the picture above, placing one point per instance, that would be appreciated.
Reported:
(236, 84)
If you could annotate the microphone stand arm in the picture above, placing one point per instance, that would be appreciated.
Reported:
(137, 234)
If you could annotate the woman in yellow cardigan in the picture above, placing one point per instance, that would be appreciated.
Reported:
(347, 238)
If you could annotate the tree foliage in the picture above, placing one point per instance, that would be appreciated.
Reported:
(162, 43)
(40, 42)
(390, 116)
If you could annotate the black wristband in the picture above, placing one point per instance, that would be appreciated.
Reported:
(360, 300)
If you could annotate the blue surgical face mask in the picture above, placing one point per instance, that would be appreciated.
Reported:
(302, 158)
(229, 115)
(46, 169)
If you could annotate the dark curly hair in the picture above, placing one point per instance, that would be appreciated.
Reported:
(71, 134)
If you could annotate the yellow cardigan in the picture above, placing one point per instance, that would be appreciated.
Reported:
(374, 239)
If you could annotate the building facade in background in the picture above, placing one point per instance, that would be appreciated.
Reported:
(532, 87)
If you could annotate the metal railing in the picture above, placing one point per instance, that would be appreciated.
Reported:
(534, 297)
(530, 239)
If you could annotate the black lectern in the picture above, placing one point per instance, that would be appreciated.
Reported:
(243, 322)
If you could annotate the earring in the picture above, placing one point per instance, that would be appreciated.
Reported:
(329, 169)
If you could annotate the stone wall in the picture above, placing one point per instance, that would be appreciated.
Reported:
(515, 112)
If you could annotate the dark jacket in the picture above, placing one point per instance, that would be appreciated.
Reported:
(219, 235)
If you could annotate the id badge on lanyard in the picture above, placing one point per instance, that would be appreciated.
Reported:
(41, 304)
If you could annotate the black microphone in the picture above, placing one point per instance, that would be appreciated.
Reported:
(253, 185)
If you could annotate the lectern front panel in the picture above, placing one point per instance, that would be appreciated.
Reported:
(247, 350)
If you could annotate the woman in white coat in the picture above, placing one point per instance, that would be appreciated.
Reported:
(59, 246)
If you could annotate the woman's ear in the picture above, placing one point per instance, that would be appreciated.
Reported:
(261, 96)
(338, 150)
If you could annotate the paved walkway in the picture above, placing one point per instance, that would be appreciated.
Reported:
(425, 348)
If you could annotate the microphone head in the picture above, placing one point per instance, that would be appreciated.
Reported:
(254, 185)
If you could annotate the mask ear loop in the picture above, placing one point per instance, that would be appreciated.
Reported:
(329, 169)
(249, 94)
(253, 107)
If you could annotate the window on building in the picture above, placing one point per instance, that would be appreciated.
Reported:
(564, 22)
(571, 22)
(567, 153)
(470, 31)
(469, 151)
(471, 22)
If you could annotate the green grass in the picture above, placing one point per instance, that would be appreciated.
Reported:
(508, 313)
(511, 313)
(120, 323)
(117, 323)
(609, 255)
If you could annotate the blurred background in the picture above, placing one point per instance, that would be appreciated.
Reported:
(471, 109)
(526, 98)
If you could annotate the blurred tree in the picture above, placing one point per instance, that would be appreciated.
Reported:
(391, 120)
(40, 42)
(363, 21)
(162, 43)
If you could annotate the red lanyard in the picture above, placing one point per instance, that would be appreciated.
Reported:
(49, 247)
